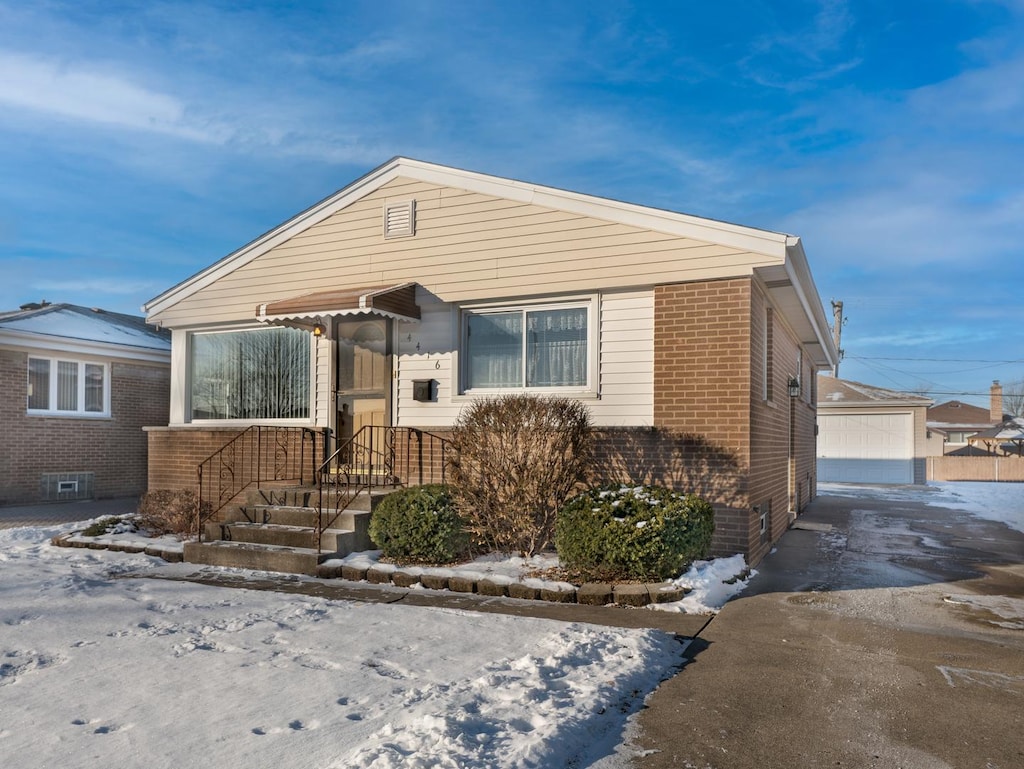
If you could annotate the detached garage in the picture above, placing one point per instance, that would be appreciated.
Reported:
(869, 434)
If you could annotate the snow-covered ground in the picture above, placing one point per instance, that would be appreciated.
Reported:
(1002, 502)
(99, 669)
(100, 666)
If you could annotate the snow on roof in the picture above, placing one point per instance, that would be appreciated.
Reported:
(1011, 429)
(72, 322)
(847, 392)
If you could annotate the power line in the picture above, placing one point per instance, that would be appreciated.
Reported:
(935, 360)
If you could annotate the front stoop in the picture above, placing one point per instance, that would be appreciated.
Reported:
(276, 531)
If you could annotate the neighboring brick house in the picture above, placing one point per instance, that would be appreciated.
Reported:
(77, 385)
(417, 288)
(953, 423)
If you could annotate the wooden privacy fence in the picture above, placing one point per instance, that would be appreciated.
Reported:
(976, 468)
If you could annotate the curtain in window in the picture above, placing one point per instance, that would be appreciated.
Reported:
(495, 350)
(260, 374)
(556, 348)
(39, 384)
(93, 387)
(67, 385)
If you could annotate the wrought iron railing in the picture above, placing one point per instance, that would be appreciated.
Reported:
(377, 457)
(259, 454)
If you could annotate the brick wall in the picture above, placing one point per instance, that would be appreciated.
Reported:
(702, 381)
(112, 449)
(782, 448)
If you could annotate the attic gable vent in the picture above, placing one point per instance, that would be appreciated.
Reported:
(400, 219)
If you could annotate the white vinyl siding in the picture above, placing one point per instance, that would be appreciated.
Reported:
(625, 366)
(627, 360)
(323, 402)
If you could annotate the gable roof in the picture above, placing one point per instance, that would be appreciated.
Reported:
(844, 392)
(954, 414)
(783, 268)
(88, 330)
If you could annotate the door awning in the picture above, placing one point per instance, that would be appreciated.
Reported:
(398, 302)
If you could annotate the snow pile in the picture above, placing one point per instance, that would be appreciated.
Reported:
(711, 583)
(100, 668)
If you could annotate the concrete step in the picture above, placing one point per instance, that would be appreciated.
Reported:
(306, 516)
(339, 541)
(303, 496)
(246, 555)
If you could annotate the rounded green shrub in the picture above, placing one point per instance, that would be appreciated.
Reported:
(633, 532)
(419, 525)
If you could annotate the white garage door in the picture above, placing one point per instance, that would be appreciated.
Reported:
(866, 448)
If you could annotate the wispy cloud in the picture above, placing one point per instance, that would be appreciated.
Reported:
(796, 59)
(72, 91)
(115, 287)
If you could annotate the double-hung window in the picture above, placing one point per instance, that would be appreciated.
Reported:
(252, 374)
(68, 387)
(531, 347)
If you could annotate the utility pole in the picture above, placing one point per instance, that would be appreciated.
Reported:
(837, 332)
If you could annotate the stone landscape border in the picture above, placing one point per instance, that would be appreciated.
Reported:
(169, 554)
(588, 594)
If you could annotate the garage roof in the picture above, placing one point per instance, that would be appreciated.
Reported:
(843, 392)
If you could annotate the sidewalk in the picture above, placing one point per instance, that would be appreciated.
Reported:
(54, 513)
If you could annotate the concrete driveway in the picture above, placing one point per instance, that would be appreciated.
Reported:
(879, 633)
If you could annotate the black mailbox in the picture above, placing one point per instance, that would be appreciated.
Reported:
(423, 390)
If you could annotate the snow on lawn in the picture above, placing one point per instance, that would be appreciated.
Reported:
(101, 669)
(1001, 502)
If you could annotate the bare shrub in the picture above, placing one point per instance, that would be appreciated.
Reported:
(518, 458)
(170, 511)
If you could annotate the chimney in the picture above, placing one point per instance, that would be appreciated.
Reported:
(995, 409)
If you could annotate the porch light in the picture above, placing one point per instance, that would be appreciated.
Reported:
(319, 329)
(794, 387)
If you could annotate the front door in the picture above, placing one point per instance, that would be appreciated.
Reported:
(363, 375)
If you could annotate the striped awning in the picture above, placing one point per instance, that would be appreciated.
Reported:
(397, 302)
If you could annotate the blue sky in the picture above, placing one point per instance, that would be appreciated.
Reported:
(140, 142)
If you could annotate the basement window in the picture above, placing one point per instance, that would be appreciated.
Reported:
(400, 219)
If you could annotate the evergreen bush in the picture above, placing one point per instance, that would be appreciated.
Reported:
(633, 532)
(419, 525)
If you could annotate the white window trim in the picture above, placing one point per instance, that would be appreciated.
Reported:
(187, 375)
(80, 412)
(592, 303)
